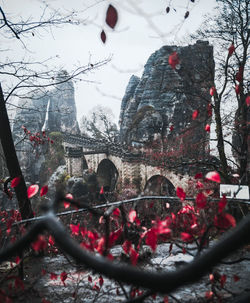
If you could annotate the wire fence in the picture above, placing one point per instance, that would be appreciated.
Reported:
(162, 282)
(139, 199)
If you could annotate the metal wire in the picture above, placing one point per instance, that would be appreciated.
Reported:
(163, 282)
(121, 202)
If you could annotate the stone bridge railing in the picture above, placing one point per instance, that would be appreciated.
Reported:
(101, 146)
(180, 165)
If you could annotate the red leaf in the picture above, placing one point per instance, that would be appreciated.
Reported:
(199, 184)
(213, 176)
(67, 204)
(101, 191)
(224, 221)
(90, 279)
(248, 101)
(53, 276)
(222, 204)
(111, 16)
(75, 229)
(195, 114)
(17, 260)
(223, 279)
(100, 246)
(151, 238)
(186, 237)
(96, 287)
(51, 240)
(237, 89)
(103, 36)
(236, 278)
(231, 49)
(63, 277)
(39, 244)
(239, 74)
(201, 200)
(101, 281)
(209, 110)
(171, 128)
(114, 236)
(132, 216)
(207, 128)
(15, 182)
(126, 246)
(180, 193)
(198, 176)
(44, 190)
(212, 91)
(133, 255)
(173, 60)
(32, 190)
(116, 212)
(230, 219)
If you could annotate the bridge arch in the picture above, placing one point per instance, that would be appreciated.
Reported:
(107, 175)
(159, 185)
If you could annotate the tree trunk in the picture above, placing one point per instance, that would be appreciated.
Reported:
(12, 161)
(220, 141)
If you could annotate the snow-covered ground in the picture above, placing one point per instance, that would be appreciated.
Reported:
(79, 287)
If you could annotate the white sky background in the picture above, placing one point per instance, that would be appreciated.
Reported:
(130, 45)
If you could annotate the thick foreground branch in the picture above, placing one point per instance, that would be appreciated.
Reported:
(12, 160)
(163, 282)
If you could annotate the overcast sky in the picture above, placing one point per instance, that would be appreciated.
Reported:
(134, 39)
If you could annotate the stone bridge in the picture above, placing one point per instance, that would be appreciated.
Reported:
(116, 166)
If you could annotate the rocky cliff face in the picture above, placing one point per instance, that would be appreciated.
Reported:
(54, 111)
(160, 104)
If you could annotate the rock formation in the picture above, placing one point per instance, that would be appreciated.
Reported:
(53, 111)
(160, 104)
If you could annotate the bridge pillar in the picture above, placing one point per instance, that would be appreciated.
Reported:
(74, 161)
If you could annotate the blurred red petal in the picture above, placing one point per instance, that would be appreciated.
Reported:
(207, 128)
(111, 16)
(213, 176)
(231, 49)
(173, 60)
(180, 193)
(44, 190)
(132, 216)
(212, 91)
(248, 100)
(15, 182)
(32, 190)
(195, 114)
(101, 191)
(103, 36)
(186, 237)
(201, 200)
